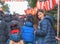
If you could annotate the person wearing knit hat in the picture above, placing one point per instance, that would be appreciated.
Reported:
(14, 32)
(27, 31)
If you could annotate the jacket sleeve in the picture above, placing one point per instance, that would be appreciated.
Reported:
(44, 28)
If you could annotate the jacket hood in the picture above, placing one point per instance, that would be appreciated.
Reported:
(29, 24)
(51, 18)
(14, 23)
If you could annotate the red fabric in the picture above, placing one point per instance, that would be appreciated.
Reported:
(15, 31)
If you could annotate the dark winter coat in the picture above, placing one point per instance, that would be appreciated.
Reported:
(3, 31)
(46, 31)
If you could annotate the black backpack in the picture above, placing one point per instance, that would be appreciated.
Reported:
(15, 36)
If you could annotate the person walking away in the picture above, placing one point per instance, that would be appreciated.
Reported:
(27, 31)
(14, 32)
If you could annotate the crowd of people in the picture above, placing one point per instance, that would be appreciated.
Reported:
(14, 28)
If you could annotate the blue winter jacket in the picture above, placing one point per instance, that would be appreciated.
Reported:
(28, 32)
(46, 31)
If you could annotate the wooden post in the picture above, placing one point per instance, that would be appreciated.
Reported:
(58, 21)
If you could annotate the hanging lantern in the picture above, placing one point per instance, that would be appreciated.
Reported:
(54, 2)
(27, 12)
(42, 5)
(51, 4)
(35, 9)
(47, 6)
(38, 4)
(30, 10)
(33, 12)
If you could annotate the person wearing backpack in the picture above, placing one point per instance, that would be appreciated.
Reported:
(27, 31)
(45, 32)
(14, 32)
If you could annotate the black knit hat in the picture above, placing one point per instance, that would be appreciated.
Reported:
(30, 18)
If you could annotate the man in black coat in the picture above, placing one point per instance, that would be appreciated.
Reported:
(3, 31)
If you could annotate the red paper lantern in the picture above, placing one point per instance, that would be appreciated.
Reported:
(55, 2)
(27, 12)
(51, 4)
(47, 6)
(35, 9)
(42, 5)
(33, 12)
(30, 10)
(38, 4)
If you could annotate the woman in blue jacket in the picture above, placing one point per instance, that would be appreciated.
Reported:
(28, 32)
(46, 34)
